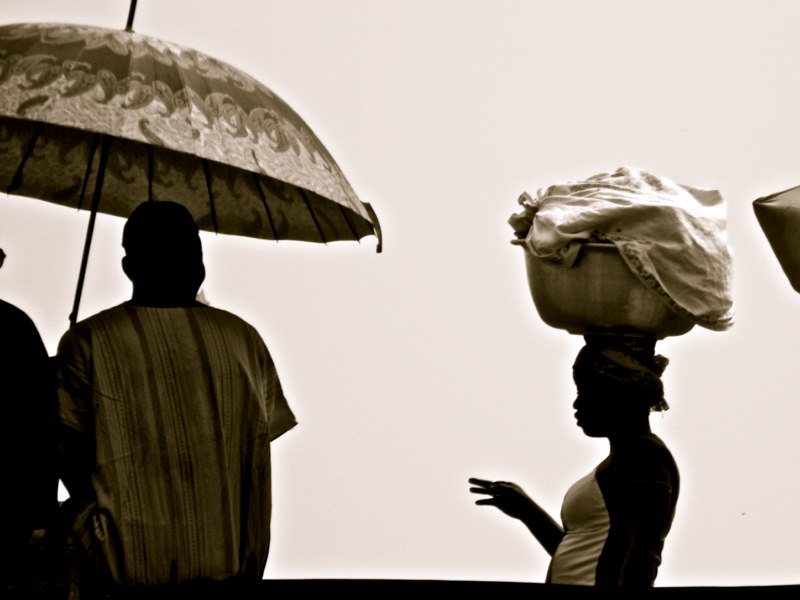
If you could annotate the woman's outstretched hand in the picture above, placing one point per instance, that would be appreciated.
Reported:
(507, 496)
(513, 501)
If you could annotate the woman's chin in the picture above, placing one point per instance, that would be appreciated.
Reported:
(591, 431)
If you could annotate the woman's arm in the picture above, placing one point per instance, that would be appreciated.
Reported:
(513, 501)
(640, 493)
(648, 517)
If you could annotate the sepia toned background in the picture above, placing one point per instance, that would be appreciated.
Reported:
(416, 368)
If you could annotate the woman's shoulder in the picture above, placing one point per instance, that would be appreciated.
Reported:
(649, 444)
(645, 458)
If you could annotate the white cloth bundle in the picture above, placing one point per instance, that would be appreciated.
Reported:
(671, 236)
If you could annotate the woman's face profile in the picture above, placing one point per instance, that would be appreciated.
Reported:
(593, 412)
(602, 408)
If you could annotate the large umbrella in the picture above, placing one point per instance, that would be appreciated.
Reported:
(102, 119)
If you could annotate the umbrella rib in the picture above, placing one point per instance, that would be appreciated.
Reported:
(207, 174)
(313, 216)
(16, 181)
(88, 172)
(347, 220)
(266, 207)
(376, 226)
(98, 188)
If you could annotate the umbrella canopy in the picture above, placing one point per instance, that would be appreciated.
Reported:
(779, 217)
(102, 119)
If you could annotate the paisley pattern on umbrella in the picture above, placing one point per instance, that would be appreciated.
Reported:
(183, 126)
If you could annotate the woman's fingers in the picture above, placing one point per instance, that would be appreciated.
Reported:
(496, 490)
(483, 482)
(487, 501)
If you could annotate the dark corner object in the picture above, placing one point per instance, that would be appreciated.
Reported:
(779, 217)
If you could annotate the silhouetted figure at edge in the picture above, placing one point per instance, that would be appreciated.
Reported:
(616, 518)
(168, 409)
(30, 476)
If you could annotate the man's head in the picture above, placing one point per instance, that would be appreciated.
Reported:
(163, 254)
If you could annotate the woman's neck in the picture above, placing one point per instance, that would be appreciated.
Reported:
(624, 436)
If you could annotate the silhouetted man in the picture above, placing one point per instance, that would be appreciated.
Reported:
(168, 409)
(29, 475)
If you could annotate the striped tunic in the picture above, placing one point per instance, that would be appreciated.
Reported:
(182, 404)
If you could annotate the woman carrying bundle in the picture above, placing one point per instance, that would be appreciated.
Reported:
(616, 518)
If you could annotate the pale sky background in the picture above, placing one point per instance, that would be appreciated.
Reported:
(414, 369)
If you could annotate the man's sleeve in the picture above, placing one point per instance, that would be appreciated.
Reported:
(281, 417)
(74, 389)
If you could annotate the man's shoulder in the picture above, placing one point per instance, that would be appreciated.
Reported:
(124, 313)
(14, 317)
(19, 331)
(111, 313)
(229, 331)
(226, 318)
(81, 331)
(12, 311)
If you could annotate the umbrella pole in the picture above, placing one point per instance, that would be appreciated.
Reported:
(131, 12)
(98, 188)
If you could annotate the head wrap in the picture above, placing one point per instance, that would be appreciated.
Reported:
(625, 360)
